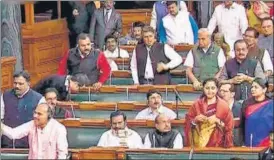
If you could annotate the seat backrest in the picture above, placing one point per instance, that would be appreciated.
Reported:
(139, 156)
(16, 156)
(84, 137)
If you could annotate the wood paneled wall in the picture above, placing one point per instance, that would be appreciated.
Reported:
(7, 70)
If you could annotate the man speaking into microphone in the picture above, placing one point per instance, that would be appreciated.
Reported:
(151, 61)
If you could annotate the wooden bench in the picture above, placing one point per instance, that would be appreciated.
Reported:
(7, 70)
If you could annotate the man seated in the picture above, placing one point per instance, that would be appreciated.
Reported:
(265, 40)
(204, 60)
(178, 26)
(269, 154)
(17, 106)
(155, 107)
(251, 36)
(120, 135)
(113, 51)
(85, 59)
(135, 35)
(241, 71)
(163, 136)
(227, 93)
(51, 99)
(219, 40)
(63, 84)
(151, 61)
(47, 137)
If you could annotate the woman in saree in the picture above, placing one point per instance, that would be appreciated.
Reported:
(257, 115)
(209, 122)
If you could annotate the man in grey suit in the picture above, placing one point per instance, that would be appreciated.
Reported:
(105, 21)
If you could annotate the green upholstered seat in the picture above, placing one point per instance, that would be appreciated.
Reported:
(122, 96)
(104, 114)
(84, 137)
(225, 155)
(158, 156)
(129, 81)
(14, 155)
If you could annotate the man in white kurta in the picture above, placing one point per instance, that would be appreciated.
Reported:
(120, 135)
(177, 25)
(231, 20)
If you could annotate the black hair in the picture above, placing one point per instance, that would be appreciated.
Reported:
(23, 74)
(48, 90)
(117, 113)
(263, 83)
(138, 24)
(83, 36)
(266, 19)
(168, 3)
(232, 86)
(81, 78)
(239, 41)
(211, 80)
(255, 32)
(152, 91)
(110, 36)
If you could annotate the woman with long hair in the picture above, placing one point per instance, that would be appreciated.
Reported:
(257, 115)
(209, 122)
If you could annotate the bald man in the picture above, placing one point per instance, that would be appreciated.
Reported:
(47, 137)
(163, 136)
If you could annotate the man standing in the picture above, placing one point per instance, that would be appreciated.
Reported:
(135, 36)
(155, 107)
(51, 99)
(120, 135)
(231, 20)
(254, 52)
(205, 60)
(241, 71)
(113, 51)
(17, 106)
(151, 61)
(85, 59)
(265, 40)
(178, 26)
(163, 136)
(47, 137)
(105, 21)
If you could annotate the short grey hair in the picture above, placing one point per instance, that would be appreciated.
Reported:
(204, 30)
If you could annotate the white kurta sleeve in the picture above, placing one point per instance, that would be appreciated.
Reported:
(133, 67)
(62, 143)
(153, 20)
(2, 107)
(18, 132)
(178, 142)
(147, 143)
(175, 58)
(268, 65)
(212, 22)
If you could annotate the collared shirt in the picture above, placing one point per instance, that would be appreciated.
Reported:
(148, 70)
(266, 42)
(232, 22)
(231, 104)
(42, 137)
(178, 28)
(109, 12)
(132, 140)
(153, 21)
(170, 53)
(189, 62)
(115, 54)
(177, 144)
(150, 115)
(42, 100)
(81, 54)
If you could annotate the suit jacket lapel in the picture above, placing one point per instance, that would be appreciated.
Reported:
(111, 18)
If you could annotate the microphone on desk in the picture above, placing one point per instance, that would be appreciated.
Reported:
(177, 98)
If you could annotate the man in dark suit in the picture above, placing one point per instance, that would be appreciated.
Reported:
(269, 154)
(79, 19)
(105, 20)
(63, 84)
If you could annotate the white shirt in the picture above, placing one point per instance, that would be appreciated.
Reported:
(42, 100)
(114, 54)
(178, 28)
(42, 135)
(231, 105)
(170, 53)
(266, 62)
(231, 22)
(108, 139)
(177, 144)
(109, 13)
(189, 62)
(148, 114)
(153, 21)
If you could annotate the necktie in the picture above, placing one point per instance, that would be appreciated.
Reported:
(106, 16)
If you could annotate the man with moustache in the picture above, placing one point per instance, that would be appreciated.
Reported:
(17, 106)
(241, 71)
(84, 59)
(135, 36)
(113, 51)
(155, 107)
(265, 40)
(152, 61)
(47, 137)
(163, 136)
(120, 135)
(51, 95)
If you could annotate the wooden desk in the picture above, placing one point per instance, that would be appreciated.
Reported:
(7, 70)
